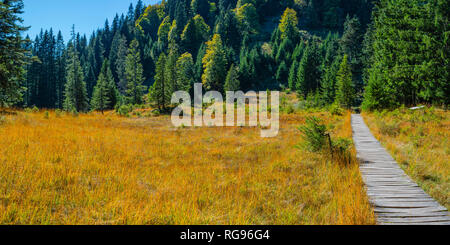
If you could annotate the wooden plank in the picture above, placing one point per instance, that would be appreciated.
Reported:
(410, 210)
(414, 219)
(396, 198)
(409, 215)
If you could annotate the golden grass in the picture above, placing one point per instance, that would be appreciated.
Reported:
(95, 169)
(419, 141)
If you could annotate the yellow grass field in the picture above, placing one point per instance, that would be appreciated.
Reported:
(95, 169)
(419, 141)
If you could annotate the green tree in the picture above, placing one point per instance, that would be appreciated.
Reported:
(13, 55)
(163, 30)
(289, 24)
(185, 72)
(171, 72)
(100, 97)
(409, 45)
(75, 92)
(214, 63)
(308, 72)
(194, 34)
(345, 93)
(134, 73)
(159, 93)
(248, 18)
(105, 95)
(232, 80)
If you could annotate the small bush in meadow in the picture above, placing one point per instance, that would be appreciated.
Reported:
(124, 110)
(314, 134)
(46, 115)
(336, 110)
(35, 109)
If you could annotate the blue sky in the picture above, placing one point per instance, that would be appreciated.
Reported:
(87, 15)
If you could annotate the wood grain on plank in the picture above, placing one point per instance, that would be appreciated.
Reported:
(396, 198)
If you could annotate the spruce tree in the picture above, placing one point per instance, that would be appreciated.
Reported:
(185, 72)
(13, 55)
(100, 100)
(159, 92)
(75, 93)
(134, 73)
(232, 80)
(214, 63)
(345, 89)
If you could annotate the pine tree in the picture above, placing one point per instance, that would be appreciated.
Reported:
(351, 44)
(171, 72)
(292, 79)
(185, 72)
(289, 25)
(105, 95)
(100, 100)
(345, 92)
(134, 74)
(120, 64)
(13, 56)
(194, 34)
(308, 72)
(406, 66)
(159, 93)
(232, 80)
(214, 64)
(75, 92)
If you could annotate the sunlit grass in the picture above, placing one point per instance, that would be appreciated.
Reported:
(419, 141)
(94, 169)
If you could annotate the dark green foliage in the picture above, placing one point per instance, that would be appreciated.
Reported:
(75, 93)
(159, 93)
(345, 93)
(314, 134)
(134, 75)
(410, 54)
(13, 55)
(232, 80)
(105, 95)
(308, 72)
(402, 58)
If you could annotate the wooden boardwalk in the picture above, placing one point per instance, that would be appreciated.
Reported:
(396, 198)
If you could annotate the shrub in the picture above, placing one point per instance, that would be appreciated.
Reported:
(46, 115)
(318, 139)
(35, 109)
(336, 110)
(124, 110)
(2, 120)
(314, 134)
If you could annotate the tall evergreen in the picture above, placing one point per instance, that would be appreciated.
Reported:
(75, 93)
(134, 75)
(13, 55)
(159, 93)
(214, 63)
(232, 80)
(185, 72)
(345, 89)
(408, 64)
